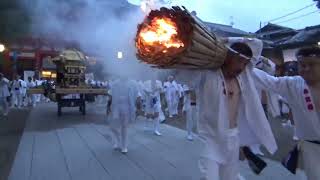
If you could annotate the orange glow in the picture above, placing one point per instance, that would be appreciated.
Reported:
(161, 31)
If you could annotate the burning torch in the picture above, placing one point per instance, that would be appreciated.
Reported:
(175, 38)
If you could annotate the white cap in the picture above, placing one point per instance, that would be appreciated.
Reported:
(255, 44)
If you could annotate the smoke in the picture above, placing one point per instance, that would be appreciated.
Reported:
(100, 27)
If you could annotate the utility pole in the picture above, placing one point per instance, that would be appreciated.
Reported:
(260, 25)
(15, 64)
(231, 21)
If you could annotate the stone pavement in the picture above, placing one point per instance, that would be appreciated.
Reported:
(79, 147)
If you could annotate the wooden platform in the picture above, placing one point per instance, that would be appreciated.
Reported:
(79, 147)
(97, 91)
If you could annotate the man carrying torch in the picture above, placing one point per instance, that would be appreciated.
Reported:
(231, 114)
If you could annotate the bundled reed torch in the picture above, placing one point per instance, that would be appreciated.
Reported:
(174, 38)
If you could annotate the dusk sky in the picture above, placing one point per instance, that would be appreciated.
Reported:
(247, 14)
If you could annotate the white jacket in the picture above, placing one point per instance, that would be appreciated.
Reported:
(152, 96)
(297, 93)
(124, 95)
(4, 90)
(254, 127)
(16, 87)
(171, 90)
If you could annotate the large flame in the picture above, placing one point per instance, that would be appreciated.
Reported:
(161, 31)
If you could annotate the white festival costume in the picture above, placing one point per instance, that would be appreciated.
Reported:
(172, 96)
(307, 121)
(214, 124)
(123, 110)
(4, 93)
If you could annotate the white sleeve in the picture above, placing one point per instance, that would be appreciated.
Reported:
(278, 85)
(6, 80)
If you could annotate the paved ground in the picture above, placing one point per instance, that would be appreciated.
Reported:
(282, 134)
(78, 147)
(11, 131)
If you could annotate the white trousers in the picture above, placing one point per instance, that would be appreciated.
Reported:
(213, 170)
(152, 124)
(175, 105)
(171, 106)
(310, 153)
(191, 119)
(38, 98)
(120, 136)
(31, 99)
(4, 105)
(17, 99)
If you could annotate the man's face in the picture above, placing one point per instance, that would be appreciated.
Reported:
(234, 66)
(309, 69)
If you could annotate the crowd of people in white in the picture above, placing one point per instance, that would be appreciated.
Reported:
(228, 108)
(13, 94)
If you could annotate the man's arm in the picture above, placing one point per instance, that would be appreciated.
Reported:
(6, 81)
(278, 85)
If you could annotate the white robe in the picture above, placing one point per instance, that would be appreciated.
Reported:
(269, 67)
(123, 107)
(273, 104)
(292, 89)
(307, 121)
(17, 92)
(172, 96)
(4, 90)
(4, 93)
(213, 121)
(150, 93)
(190, 110)
(31, 97)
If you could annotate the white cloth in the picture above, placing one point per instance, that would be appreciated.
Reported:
(307, 123)
(295, 91)
(4, 89)
(24, 93)
(310, 159)
(256, 45)
(120, 135)
(229, 170)
(213, 124)
(17, 86)
(191, 119)
(38, 96)
(269, 67)
(190, 110)
(152, 90)
(31, 98)
(172, 96)
(17, 93)
(273, 104)
(123, 107)
(4, 93)
(284, 108)
(23, 87)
